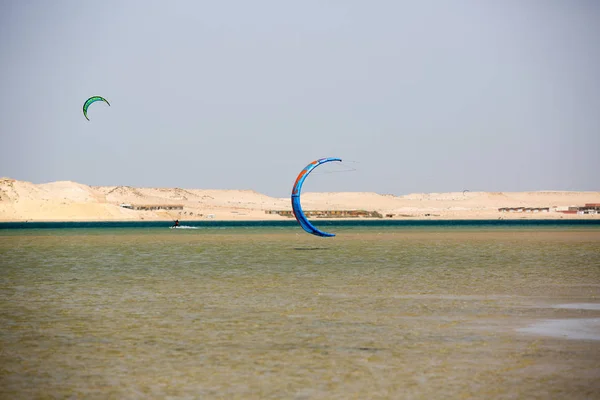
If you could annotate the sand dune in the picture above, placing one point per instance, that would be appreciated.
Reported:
(71, 201)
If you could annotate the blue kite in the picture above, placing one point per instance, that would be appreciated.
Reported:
(297, 208)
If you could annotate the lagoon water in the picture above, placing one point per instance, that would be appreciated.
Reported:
(243, 312)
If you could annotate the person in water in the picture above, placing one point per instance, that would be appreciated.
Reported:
(176, 223)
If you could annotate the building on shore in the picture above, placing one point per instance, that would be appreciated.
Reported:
(592, 207)
(524, 209)
(329, 213)
(588, 208)
(152, 207)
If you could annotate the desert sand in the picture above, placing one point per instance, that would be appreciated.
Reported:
(71, 201)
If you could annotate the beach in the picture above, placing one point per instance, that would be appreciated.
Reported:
(72, 201)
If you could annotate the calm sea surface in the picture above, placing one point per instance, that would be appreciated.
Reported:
(430, 311)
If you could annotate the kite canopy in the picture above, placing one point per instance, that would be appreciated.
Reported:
(91, 100)
(297, 208)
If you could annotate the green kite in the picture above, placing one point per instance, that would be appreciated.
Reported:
(91, 100)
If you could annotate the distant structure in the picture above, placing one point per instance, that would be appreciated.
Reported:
(152, 207)
(330, 213)
(591, 208)
(524, 209)
(588, 208)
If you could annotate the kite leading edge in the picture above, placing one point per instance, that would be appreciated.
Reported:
(297, 208)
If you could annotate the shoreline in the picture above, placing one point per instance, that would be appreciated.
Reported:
(277, 219)
(333, 221)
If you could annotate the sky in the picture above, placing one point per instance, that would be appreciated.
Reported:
(421, 96)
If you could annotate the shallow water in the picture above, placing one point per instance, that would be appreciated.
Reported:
(273, 313)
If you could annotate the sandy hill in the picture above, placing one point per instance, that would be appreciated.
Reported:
(70, 201)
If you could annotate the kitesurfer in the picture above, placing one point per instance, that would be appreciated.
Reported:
(176, 224)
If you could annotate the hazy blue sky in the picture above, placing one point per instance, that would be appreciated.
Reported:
(429, 96)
